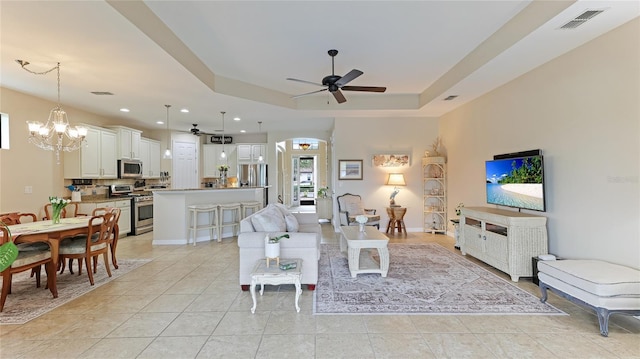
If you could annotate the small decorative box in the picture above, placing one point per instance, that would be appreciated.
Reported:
(288, 265)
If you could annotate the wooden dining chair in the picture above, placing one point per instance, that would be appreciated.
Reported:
(87, 247)
(113, 243)
(17, 218)
(31, 259)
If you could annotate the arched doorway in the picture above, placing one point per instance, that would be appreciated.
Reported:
(303, 168)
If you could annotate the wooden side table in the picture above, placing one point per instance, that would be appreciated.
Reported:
(275, 276)
(396, 220)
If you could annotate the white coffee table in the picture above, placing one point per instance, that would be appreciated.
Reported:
(275, 276)
(371, 238)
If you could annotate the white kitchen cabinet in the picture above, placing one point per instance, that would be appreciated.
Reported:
(96, 159)
(250, 153)
(150, 157)
(506, 240)
(128, 146)
(124, 223)
(211, 159)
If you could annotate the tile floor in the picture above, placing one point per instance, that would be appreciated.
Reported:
(186, 303)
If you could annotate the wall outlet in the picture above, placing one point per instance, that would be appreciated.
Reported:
(28, 189)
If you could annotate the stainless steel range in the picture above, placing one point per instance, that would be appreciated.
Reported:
(141, 207)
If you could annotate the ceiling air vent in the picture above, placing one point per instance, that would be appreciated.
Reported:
(102, 93)
(451, 97)
(581, 19)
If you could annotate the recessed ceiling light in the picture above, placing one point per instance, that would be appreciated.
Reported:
(124, 110)
(185, 110)
(236, 118)
(160, 122)
(243, 131)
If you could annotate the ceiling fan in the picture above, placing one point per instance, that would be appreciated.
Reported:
(334, 83)
(197, 132)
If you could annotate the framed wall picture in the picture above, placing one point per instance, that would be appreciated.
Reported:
(350, 169)
(394, 160)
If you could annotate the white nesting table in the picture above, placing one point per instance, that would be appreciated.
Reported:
(275, 276)
(371, 238)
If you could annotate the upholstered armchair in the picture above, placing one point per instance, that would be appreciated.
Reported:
(350, 206)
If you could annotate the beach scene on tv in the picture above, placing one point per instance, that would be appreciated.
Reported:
(516, 182)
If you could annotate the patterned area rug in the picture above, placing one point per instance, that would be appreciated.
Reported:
(422, 279)
(28, 302)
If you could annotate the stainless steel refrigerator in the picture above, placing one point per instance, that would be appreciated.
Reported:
(254, 175)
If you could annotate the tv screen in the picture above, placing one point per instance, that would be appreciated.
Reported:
(516, 182)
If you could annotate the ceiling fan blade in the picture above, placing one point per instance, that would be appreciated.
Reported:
(339, 96)
(364, 88)
(308, 93)
(348, 77)
(305, 82)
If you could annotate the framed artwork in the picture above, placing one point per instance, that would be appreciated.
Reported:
(349, 169)
(397, 160)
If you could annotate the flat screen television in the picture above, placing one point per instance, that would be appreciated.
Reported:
(516, 182)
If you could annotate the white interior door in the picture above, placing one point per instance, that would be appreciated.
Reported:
(185, 165)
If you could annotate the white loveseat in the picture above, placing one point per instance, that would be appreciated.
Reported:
(303, 241)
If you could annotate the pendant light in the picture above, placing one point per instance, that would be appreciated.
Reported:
(167, 153)
(223, 155)
(260, 158)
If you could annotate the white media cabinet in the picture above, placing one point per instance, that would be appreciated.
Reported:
(506, 240)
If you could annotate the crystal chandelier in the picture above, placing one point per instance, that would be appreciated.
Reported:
(55, 135)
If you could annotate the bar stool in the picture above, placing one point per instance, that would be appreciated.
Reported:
(213, 224)
(234, 223)
(254, 206)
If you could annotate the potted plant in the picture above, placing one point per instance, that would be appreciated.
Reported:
(322, 192)
(272, 246)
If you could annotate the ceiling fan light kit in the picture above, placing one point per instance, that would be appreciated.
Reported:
(334, 83)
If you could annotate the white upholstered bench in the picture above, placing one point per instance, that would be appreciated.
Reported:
(606, 287)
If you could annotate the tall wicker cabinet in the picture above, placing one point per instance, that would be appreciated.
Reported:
(434, 174)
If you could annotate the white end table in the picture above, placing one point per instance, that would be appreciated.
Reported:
(370, 238)
(262, 275)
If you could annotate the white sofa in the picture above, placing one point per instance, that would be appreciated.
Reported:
(303, 243)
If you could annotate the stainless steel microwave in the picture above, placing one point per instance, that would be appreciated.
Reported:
(129, 169)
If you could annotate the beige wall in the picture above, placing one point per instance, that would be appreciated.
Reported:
(583, 110)
(361, 138)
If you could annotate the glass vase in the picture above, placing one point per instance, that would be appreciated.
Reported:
(56, 215)
(361, 227)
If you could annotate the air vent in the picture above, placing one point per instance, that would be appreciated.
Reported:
(102, 93)
(451, 97)
(581, 19)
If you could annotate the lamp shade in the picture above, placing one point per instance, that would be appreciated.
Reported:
(396, 179)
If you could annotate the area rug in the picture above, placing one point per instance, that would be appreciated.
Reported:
(28, 302)
(422, 279)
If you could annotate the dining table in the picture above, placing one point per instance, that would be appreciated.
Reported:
(52, 233)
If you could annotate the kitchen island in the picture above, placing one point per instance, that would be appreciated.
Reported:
(171, 217)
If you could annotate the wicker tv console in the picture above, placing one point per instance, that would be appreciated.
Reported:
(506, 240)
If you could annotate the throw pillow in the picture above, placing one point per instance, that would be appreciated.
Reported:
(290, 220)
(269, 220)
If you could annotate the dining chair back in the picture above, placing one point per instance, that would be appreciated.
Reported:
(17, 218)
(90, 246)
(31, 257)
(113, 243)
(71, 210)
